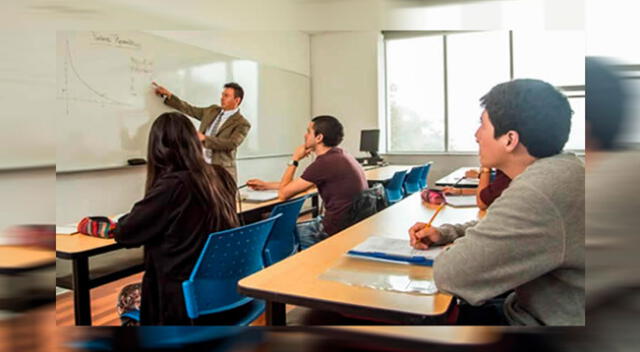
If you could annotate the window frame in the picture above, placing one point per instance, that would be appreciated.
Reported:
(573, 91)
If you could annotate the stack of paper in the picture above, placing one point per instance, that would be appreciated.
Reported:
(259, 196)
(460, 201)
(392, 249)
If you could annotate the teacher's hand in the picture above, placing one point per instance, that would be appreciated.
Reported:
(201, 136)
(160, 90)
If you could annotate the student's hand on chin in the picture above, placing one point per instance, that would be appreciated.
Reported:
(301, 152)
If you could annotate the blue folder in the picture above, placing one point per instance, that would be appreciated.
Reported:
(418, 260)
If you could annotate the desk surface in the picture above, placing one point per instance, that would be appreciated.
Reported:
(385, 172)
(68, 246)
(296, 280)
(14, 259)
(249, 206)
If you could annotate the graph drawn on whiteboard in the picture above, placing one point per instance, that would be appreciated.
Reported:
(103, 99)
(77, 86)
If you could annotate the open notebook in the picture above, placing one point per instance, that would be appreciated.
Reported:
(393, 249)
(250, 195)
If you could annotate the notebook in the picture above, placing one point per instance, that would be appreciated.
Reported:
(465, 181)
(258, 196)
(395, 250)
(460, 201)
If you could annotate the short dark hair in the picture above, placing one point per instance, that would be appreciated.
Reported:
(605, 107)
(535, 109)
(330, 128)
(238, 92)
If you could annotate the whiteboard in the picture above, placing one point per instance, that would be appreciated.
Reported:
(106, 105)
(27, 85)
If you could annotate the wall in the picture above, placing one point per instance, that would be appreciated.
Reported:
(344, 81)
(28, 197)
(114, 191)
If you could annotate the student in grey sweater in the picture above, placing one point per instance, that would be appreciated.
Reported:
(532, 237)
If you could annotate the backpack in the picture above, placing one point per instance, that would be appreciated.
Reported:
(365, 204)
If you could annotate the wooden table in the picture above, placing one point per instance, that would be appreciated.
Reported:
(385, 173)
(453, 179)
(20, 259)
(296, 279)
(79, 248)
(252, 212)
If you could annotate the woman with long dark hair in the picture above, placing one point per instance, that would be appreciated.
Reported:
(185, 200)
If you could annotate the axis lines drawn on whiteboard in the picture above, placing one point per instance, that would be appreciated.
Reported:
(137, 67)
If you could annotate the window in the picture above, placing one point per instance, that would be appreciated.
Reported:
(435, 81)
(475, 63)
(576, 137)
(415, 92)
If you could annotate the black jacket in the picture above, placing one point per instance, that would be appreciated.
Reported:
(173, 223)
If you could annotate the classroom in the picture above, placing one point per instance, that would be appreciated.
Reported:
(425, 136)
(410, 105)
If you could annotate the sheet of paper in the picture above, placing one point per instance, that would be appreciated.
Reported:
(66, 229)
(461, 201)
(251, 195)
(395, 246)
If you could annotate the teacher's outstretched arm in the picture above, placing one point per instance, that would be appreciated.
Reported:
(173, 101)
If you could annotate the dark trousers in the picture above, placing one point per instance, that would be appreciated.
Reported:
(490, 313)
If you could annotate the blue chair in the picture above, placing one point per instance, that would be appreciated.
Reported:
(393, 189)
(227, 257)
(283, 240)
(424, 176)
(412, 181)
(133, 314)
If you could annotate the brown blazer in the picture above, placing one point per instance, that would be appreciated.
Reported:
(230, 135)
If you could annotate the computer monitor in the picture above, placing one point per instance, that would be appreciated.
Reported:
(369, 140)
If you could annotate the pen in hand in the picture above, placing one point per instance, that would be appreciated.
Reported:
(434, 215)
(413, 238)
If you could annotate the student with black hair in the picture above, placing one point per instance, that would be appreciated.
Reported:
(336, 174)
(532, 238)
(185, 200)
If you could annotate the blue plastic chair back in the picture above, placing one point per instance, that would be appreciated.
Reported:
(424, 175)
(393, 189)
(283, 240)
(227, 257)
(133, 314)
(412, 181)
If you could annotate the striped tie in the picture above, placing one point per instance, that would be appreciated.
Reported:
(216, 123)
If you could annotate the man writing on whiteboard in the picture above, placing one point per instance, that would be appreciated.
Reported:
(222, 127)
